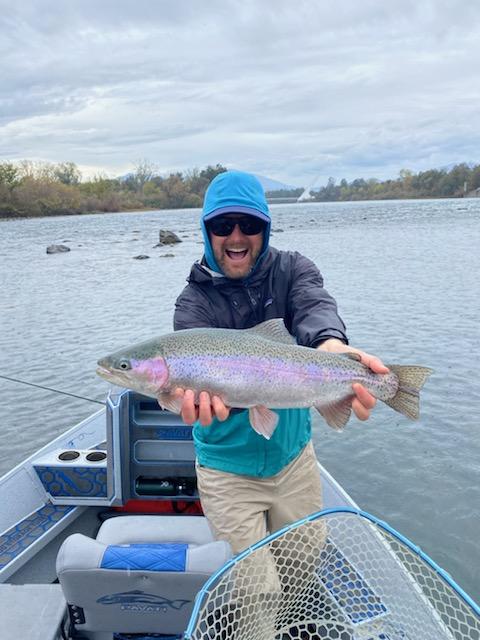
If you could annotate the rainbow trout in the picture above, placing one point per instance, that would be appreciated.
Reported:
(261, 369)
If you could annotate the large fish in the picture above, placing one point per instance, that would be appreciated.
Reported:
(261, 368)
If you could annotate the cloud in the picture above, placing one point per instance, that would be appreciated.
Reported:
(288, 90)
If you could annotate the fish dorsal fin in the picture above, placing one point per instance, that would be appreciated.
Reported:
(274, 330)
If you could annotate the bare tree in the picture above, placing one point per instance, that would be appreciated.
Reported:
(144, 172)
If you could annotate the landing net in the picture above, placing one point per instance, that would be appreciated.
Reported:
(337, 575)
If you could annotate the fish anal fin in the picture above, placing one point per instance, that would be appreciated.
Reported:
(263, 420)
(336, 414)
(274, 330)
(170, 402)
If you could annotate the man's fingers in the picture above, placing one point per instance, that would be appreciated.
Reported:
(374, 363)
(363, 402)
(189, 410)
(364, 396)
(204, 409)
(221, 411)
(359, 410)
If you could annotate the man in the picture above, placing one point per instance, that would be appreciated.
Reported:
(249, 485)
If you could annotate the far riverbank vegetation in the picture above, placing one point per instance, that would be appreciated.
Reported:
(31, 189)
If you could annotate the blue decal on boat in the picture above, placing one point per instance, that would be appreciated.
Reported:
(139, 600)
(72, 444)
(146, 557)
(74, 482)
(17, 539)
(174, 433)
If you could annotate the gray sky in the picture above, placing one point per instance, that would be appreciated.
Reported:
(289, 90)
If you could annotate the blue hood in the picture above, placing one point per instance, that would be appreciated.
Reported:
(234, 192)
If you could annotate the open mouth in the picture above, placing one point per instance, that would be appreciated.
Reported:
(235, 254)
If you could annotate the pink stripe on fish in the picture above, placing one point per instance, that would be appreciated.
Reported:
(188, 366)
(154, 370)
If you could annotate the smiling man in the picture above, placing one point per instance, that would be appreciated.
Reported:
(236, 243)
(235, 224)
(249, 485)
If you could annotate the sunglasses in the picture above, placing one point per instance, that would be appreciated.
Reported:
(249, 225)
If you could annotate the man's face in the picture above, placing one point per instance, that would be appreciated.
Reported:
(236, 252)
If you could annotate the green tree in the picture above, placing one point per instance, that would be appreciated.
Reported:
(9, 175)
(210, 172)
(68, 173)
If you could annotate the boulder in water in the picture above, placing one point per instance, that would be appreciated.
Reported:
(168, 237)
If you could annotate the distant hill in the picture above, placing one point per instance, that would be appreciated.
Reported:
(274, 185)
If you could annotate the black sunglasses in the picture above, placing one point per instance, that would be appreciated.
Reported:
(223, 226)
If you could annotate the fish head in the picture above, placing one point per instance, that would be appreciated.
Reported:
(142, 370)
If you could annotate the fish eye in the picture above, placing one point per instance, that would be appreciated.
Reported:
(124, 364)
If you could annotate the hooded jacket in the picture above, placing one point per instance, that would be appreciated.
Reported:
(283, 285)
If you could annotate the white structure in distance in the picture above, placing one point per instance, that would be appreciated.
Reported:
(306, 196)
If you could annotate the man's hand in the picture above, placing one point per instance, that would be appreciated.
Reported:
(363, 402)
(207, 408)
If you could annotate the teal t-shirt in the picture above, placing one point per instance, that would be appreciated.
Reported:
(235, 447)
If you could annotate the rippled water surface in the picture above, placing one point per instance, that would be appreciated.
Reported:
(406, 278)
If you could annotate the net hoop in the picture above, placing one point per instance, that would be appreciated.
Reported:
(319, 518)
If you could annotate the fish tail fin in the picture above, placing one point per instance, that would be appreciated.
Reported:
(410, 381)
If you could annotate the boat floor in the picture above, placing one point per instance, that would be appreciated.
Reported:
(31, 611)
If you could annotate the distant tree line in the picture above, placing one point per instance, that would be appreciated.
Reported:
(434, 183)
(29, 189)
(41, 189)
(285, 193)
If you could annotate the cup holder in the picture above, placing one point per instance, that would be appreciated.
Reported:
(90, 456)
(96, 456)
(68, 456)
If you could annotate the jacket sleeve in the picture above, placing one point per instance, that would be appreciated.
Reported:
(313, 310)
(193, 310)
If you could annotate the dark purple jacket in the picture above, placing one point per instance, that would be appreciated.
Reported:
(285, 285)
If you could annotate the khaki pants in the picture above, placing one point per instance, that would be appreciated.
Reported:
(243, 509)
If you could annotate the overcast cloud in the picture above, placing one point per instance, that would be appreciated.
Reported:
(289, 90)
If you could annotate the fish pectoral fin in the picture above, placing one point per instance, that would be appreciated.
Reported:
(170, 402)
(336, 414)
(263, 420)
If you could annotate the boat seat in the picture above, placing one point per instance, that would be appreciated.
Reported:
(140, 575)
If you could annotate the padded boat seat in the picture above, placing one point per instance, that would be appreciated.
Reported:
(140, 575)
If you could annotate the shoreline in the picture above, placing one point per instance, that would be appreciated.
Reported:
(149, 209)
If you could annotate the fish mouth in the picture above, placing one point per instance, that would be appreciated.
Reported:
(102, 371)
(112, 377)
(108, 374)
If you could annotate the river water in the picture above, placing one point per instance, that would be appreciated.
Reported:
(406, 275)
